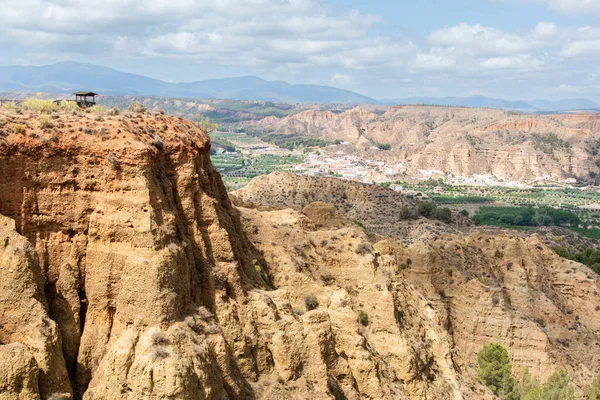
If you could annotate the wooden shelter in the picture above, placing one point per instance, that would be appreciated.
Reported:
(85, 99)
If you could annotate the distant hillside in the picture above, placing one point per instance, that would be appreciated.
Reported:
(487, 102)
(68, 77)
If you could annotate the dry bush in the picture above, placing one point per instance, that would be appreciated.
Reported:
(40, 106)
(157, 141)
(19, 128)
(159, 338)
(97, 109)
(159, 353)
(311, 302)
(46, 122)
(69, 106)
(113, 160)
(12, 107)
(363, 248)
(137, 108)
(114, 111)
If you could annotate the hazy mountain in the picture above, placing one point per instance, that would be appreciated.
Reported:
(482, 101)
(68, 77)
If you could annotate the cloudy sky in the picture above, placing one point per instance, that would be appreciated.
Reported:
(516, 49)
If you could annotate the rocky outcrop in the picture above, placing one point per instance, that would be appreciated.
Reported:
(134, 233)
(31, 360)
(433, 304)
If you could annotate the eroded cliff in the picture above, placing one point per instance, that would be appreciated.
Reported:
(126, 273)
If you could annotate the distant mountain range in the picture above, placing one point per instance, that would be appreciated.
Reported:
(68, 77)
(482, 101)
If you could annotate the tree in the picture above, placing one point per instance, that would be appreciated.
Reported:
(593, 392)
(556, 388)
(204, 123)
(495, 371)
(425, 208)
(208, 126)
(527, 384)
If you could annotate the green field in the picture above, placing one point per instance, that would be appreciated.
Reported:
(237, 170)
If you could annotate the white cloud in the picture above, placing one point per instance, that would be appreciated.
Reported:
(519, 62)
(436, 59)
(297, 33)
(569, 6)
(480, 38)
(582, 48)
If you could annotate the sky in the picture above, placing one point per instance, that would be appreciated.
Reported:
(513, 49)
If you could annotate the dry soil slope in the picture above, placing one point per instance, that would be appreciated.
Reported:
(376, 208)
(461, 141)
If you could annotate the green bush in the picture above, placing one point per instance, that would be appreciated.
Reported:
(363, 318)
(526, 216)
(593, 392)
(495, 371)
(407, 212)
(443, 214)
(589, 257)
(425, 208)
(556, 388)
(311, 302)
(383, 146)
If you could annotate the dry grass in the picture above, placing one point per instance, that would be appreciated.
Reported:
(46, 122)
(40, 106)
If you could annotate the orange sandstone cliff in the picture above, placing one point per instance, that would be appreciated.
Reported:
(126, 273)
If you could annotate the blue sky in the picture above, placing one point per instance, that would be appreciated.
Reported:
(516, 49)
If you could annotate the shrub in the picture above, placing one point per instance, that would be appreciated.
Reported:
(114, 111)
(113, 160)
(46, 122)
(40, 106)
(69, 106)
(10, 107)
(137, 108)
(97, 109)
(159, 338)
(408, 213)
(157, 141)
(363, 318)
(443, 214)
(19, 128)
(526, 384)
(593, 392)
(556, 388)
(363, 248)
(159, 353)
(311, 302)
(425, 208)
(495, 370)
(383, 146)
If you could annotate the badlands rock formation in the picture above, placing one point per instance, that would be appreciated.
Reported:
(126, 273)
(374, 207)
(460, 141)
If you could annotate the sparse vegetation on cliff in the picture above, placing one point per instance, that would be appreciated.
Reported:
(589, 257)
(495, 371)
